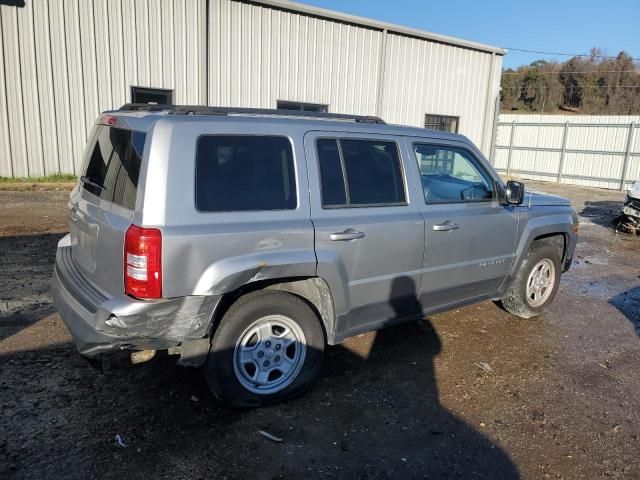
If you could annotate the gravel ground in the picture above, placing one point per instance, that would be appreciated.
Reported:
(559, 399)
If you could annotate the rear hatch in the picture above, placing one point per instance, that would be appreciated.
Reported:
(101, 208)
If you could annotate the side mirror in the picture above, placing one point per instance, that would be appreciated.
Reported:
(514, 194)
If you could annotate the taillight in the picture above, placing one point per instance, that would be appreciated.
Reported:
(108, 120)
(143, 262)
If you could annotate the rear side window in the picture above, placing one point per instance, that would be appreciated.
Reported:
(372, 170)
(331, 175)
(113, 167)
(244, 172)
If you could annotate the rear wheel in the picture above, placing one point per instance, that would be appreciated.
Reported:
(267, 348)
(536, 283)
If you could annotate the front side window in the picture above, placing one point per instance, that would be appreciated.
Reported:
(244, 173)
(451, 175)
(360, 173)
(114, 165)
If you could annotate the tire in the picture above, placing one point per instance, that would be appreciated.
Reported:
(242, 348)
(516, 299)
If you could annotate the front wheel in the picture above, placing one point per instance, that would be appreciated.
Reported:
(536, 283)
(267, 348)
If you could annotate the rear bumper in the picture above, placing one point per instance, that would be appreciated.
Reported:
(99, 323)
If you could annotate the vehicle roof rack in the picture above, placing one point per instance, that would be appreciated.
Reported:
(205, 110)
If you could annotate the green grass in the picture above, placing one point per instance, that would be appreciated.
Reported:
(55, 178)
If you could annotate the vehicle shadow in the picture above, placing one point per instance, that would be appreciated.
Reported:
(375, 413)
(603, 213)
(628, 303)
(396, 403)
(26, 268)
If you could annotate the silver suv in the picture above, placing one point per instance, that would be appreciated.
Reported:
(245, 241)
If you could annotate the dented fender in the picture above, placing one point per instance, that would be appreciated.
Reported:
(332, 270)
(229, 274)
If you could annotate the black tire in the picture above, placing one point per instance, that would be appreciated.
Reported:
(219, 369)
(515, 299)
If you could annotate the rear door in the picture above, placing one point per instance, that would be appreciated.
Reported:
(469, 237)
(369, 235)
(101, 207)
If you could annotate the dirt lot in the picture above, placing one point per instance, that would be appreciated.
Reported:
(561, 399)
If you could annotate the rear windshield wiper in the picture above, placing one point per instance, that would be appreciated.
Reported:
(88, 181)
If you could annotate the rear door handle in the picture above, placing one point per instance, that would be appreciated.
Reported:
(346, 235)
(446, 226)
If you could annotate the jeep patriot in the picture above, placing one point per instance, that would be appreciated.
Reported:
(245, 241)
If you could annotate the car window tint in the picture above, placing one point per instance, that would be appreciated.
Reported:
(114, 165)
(374, 175)
(331, 177)
(451, 175)
(244, 172)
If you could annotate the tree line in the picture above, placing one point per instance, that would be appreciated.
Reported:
(594, 85)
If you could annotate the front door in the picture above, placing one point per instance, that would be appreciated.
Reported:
(369, 234)
(469, 237)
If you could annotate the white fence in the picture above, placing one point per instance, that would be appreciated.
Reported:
(594, 150)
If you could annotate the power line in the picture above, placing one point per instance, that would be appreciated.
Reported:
(564, 54)
(579, 86)
(563, 73)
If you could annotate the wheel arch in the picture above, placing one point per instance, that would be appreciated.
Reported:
(559, 240)
(547, 228)
(543, 228)
(314, 291)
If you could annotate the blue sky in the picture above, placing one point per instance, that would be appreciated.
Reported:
(572, 26)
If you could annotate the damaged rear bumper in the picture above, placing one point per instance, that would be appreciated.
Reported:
(99, 323)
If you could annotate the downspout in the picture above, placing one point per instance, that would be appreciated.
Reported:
(487, 104)
(207, 67)
(381, 71)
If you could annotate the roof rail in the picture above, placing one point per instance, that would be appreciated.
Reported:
(205, 110)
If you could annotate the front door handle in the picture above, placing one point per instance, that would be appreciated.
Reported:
(348, 234)
(446, 226)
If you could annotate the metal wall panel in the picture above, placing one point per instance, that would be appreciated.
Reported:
(44, 77)
(423, 77)
(259, 55)
(61, 85)
(30, 100)
(64, 62)
(6, 165)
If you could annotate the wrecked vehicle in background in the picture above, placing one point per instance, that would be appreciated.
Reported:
(629, 221)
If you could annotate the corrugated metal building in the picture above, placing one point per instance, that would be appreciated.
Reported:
(65, 61)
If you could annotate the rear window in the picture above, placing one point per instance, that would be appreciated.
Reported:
(113, 166)
(244, 172)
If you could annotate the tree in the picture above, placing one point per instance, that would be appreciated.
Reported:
(591, 85)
